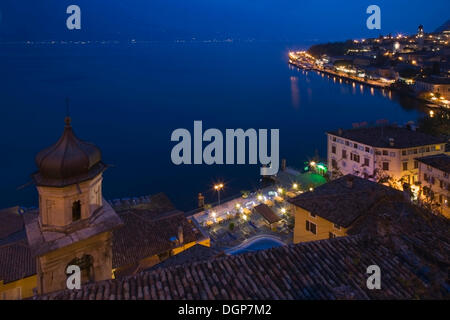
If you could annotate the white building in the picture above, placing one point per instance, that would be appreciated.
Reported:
(438, 86)
(373, 152)
(434, 173)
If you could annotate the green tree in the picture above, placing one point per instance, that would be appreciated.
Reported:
(438, 125)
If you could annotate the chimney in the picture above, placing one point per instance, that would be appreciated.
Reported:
(340, 131)
(201, 200)
(391, 142)
(349, 182)
(180, 235)
(283, 164)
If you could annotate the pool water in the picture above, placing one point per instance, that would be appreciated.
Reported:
(260, 244)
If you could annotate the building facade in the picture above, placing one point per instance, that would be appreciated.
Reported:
(434, 174)
(376, 152)
(438, 86)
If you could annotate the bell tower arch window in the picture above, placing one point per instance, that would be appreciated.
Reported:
(76, 211)
(86, 265)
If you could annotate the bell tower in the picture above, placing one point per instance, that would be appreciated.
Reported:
(74, 224)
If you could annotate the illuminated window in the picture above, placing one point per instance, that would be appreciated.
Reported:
(405, 166)
(385, 166)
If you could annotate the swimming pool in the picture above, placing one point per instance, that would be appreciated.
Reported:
(255, 244)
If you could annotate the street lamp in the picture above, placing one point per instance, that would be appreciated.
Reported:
(218, 187)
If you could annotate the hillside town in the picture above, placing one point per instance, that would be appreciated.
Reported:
(415, 65)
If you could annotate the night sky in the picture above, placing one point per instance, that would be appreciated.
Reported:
(270, 20)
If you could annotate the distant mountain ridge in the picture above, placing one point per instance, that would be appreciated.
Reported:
(444, 27)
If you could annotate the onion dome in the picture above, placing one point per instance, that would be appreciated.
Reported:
(69, 161)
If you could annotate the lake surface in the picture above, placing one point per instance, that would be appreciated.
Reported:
(128, 98)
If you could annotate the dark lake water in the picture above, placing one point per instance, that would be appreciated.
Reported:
(129, 98)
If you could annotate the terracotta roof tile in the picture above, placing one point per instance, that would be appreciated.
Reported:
(327, 269)
(145, 234)
(16, 261)
(267, 213)
(344, 200)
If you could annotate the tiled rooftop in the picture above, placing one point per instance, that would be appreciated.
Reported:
(344, 200)
(267, 213)
(145, 234)
(195, 253)
(380, 136)
(16, 261)
(327, 269)
(440, 162)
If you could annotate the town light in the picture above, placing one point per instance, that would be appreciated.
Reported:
(260, 197)
(280, 190)
(244, 217)
(213, 214)
(295, 186)
(283, 210)
(311, 189)
(312, 163)
(238, 205)
(218, 187)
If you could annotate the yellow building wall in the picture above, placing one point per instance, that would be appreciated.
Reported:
(20, 289)
(323, 227)
(205, 243)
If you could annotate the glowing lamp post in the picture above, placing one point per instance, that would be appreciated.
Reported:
(218, 187)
